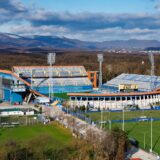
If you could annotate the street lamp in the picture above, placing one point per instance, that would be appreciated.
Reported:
(100, 60)
(123, 116)
(151, 135)
(101, 117)
(51, 60)
(144, 138)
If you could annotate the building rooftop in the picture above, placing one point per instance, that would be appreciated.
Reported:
(44, 71)
(144, 82)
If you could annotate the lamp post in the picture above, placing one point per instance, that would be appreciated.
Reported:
(123, 116)
(51, 60)
(100, 60)
(110, 124)
(101, 118)
(144, 134)
(151, 135)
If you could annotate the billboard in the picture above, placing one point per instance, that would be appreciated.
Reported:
(128, 87)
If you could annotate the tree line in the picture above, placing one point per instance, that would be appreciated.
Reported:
(113, 65)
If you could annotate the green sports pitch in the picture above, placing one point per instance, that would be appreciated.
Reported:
(140, 130)
(58, 135)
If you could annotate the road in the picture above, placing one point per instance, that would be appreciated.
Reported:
(139, 153)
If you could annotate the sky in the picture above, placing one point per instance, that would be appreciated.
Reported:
(87, 20)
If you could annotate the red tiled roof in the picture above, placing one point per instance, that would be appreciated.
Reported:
(114, 94)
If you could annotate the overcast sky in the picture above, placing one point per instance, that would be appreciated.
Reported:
(89, 20)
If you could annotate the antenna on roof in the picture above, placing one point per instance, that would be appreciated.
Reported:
(51, 58)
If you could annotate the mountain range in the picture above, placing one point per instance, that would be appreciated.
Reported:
(15, 43)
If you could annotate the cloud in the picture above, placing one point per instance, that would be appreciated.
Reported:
(157, 6)
(15, 17)
(11, 10)
(92, 21)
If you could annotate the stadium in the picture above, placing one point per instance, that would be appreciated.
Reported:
(110, 96)
(24, 83)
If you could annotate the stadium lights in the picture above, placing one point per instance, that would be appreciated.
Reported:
(100, 60)
(151, 149)
(32, 73)
(144, 139)
(123, 118)
(51, 58)
(151, 58)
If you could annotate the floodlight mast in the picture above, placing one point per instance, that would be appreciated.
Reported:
(32, 74)
(151, 58)
(100, 60)
(51, 60)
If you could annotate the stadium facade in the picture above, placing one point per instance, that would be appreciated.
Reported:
(110, 97)
(24, 83)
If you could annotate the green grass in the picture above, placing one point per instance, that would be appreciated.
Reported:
(96, 116)
(62, 95)
(135, 130)
(59, 136)
(140, 130)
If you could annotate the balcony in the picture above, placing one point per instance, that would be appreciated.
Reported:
(18, 88)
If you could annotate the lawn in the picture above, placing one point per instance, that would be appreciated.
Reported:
(139, 130)
(58, 135)
(96, 116)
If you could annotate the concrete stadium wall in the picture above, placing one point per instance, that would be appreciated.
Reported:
(115, 103)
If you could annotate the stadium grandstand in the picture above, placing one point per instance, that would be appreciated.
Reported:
(62, 78)
(144, 82)
(24, 83)
(125, 90)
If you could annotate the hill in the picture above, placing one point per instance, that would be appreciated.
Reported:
(35, 43)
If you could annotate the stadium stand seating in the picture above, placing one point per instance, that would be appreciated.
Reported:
(61, 78)
(44, 71)
(144, 82)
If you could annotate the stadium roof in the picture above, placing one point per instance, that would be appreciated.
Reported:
(22, 80)
(82, 81)
(44, 71)
(144, 82)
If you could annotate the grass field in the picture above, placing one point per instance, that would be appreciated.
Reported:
(96, 116)
(139, 130)
(58, 135)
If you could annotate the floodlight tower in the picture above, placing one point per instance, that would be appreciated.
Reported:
(151, 58)
(100, 60)
(51, 60)
(32, 74)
